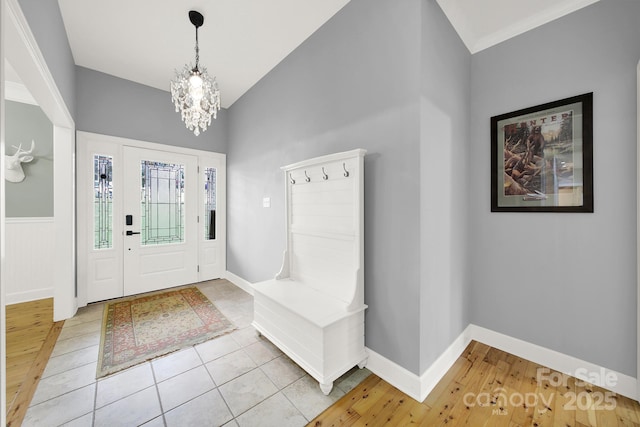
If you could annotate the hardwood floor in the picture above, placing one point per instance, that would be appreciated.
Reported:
(31, 335)
(486, 387)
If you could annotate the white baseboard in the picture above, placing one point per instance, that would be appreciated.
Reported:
(239, 282)
(419, 387)
(586, 371)
(31, 295)
(402, 379)
(443, 363)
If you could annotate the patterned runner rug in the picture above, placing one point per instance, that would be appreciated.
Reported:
(141, 328)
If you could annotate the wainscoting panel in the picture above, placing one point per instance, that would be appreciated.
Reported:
(29, 259)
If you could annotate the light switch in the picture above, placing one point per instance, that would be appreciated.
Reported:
(266, 202)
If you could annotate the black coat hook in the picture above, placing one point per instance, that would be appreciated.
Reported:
(324, 175)
(307, 177)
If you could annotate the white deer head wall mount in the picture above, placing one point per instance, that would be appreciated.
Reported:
(12, 164)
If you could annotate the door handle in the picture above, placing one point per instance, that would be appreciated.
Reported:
(131, 233)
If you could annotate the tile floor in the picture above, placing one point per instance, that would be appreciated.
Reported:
(237, 379)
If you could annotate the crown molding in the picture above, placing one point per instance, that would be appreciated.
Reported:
(522, 26)
(462, 22)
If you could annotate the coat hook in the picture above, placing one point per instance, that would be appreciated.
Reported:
(324, 175)
(346, 172)
(293, 181)
(307, 179)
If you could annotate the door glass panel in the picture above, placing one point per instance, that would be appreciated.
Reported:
(102, 202)
(162, 203)
(210, 203)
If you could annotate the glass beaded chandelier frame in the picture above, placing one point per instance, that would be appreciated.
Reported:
(194, 93)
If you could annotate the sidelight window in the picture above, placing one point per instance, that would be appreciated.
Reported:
(102, 202)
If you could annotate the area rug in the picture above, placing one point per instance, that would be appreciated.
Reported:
(141, 328)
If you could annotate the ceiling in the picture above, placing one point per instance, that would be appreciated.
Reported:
(484, 23)
(147, 40)
(242, 40)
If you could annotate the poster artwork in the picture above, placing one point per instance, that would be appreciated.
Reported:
(538, 153)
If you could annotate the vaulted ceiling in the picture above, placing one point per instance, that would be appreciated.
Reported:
(242, 40)
(146, 40)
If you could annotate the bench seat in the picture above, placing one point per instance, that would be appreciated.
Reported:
(315, 306)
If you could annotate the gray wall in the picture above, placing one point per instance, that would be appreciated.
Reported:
(112, 106)
(32, 197)
(372, 77)
(563, 281)
(444, 119)
(45, 21)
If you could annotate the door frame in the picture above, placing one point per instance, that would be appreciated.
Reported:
(18, 45)
(638, 233)
(85, 139)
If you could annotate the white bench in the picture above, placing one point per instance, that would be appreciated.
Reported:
(313, 310)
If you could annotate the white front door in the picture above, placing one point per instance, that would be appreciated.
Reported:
(160, 230)
(176, 201)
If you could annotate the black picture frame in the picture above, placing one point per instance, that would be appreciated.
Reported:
(542, 157)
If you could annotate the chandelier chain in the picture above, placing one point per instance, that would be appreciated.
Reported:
(197, 50)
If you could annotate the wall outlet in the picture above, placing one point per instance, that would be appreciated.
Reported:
(266, 202)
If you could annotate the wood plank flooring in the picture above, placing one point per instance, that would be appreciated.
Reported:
(486, 387)
(31, 335)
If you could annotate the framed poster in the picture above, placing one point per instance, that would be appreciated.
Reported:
(542, 158)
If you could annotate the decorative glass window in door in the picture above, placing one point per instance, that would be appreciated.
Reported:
(162, 203)
(210, 203)
(102, 202)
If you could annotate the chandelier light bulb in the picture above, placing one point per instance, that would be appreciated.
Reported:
(195, 80)
(195, 87)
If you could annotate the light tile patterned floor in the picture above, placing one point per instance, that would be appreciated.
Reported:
(234, 380)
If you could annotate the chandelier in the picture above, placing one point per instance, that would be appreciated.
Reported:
(194, 93)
